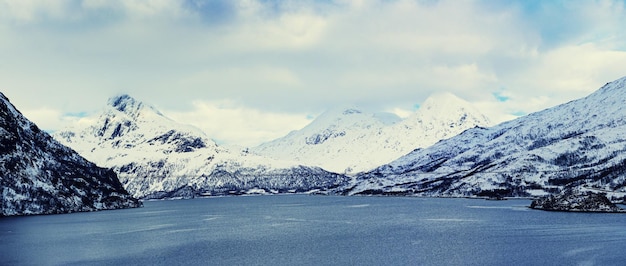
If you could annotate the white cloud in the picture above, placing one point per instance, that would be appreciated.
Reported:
(563, 74)
(45, 118)
(288, 31)
(28, 11)
(401, 112)
(229, 122)
(578, 68)
(51, 119)
(239, 79)
(300, 57)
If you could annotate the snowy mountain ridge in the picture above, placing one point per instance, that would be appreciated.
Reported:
(126, 123)
(156, 157)
(350, 140)
(576, 144)
(38, 175)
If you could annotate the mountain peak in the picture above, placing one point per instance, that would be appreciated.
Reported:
(124, 103)
(5, 101)
(350, 111)
(444, 99)
(119, 99)
(129, 105)
(343, 110)
(618, 84)
(445, 106)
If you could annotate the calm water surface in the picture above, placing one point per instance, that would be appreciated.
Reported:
(317, 230)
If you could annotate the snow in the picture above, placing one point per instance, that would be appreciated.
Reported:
(350, 140)
(443, 149)
(154, 154)
(531, 155)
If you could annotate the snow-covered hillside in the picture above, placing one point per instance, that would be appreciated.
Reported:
(156, 157)
(578, 144)
(350, 140)
(38, 175)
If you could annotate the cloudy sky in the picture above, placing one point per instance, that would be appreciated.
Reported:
(248, 71)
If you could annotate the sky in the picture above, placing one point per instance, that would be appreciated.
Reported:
(249, 71)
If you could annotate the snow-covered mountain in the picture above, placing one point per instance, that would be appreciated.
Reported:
(38, 175)
(156, 157)
(577, 144)
(350, 140)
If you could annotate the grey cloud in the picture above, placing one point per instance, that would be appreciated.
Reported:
(298, 56)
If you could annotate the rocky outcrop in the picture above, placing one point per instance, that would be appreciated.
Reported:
(576, 201)
(38, 175)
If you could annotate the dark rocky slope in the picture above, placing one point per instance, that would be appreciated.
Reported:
(38, 175)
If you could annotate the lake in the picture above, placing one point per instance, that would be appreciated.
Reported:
(317, 230)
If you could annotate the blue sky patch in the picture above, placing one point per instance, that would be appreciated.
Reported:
(500, 97)
(212, 11)
(77, 114)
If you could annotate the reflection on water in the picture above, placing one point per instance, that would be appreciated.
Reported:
(317, 230)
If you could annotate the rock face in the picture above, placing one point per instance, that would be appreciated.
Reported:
(577, 144)
(38, 175)
(575, 201)
(156, 157)
(351, 140)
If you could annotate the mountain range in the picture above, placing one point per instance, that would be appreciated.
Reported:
(156, 157)
(574, 145)
(38, 175)
(579, 144)
(350, 140)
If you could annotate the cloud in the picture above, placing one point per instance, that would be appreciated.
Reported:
(241, 80)
(301, 57)
(47, 118)
(28, 11)
(579, 21)
(565, 74)
(229, 122)
(51, 119)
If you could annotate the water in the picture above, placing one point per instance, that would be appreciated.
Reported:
(296, 230)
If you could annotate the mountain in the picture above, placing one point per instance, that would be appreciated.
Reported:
(156, 157)
(572, 200)
(38, 175)
(579, 144)
(350, 140)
